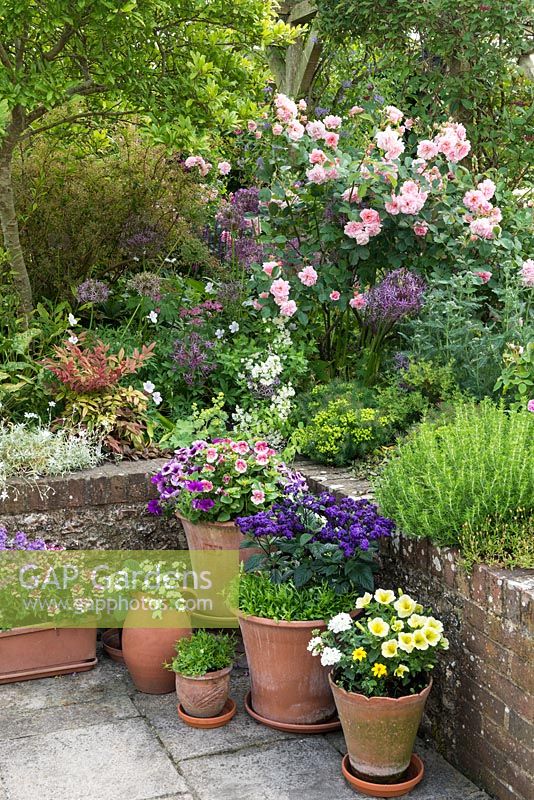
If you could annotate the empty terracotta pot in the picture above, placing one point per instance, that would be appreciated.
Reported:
(288, 684)
(206, 695)
(379, 731)
(146, 648)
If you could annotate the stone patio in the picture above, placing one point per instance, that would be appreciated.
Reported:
(92, 736)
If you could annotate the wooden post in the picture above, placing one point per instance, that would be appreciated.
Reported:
(295, 68)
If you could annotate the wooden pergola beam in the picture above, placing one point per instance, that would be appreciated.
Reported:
(295, 68)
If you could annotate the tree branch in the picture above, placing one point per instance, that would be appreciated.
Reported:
(4, 58)
(66, 34)
(88, 115)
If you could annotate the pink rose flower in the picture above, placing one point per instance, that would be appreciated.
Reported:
(332, 121)
(252, 126)
(482, 228)
(351, 195)
(484, 276)
(317, 156)
(268, 267)
(331, 139)
(427, 149)
(277, 129)
(527, 273)
(308, 276)
(295, 130)
(288, 308)
(420, 228)
(370, 217)
(280, 290)
(316, 129)
(393, 114)
(358, 301)
(390, 141)
(317, 174)
(393, 206)
(355, 110)
(352, 228)
(335, 295)
(487, 188)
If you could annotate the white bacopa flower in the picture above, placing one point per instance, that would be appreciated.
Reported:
(219, 333)
(52, 403)
(153, 317)
(330, 656)
(233, 327)
(314, 643)
(339, 623)
(73, 339)
(148, 387)
(157, 398)
(209, 288)
(72, 320)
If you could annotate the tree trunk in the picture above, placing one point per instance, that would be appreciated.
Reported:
(10, 230)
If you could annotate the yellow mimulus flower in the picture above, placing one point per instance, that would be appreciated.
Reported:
(419, 608)
(364, 601)
(389, 648)
(419, 640)
(416, 621)
(378, 627)
(435, 624)
(404, 606)
(384, 596)
(406, 642)
(359, 654)
(401, 670)
(432, 636)
(397, 625)
(379, 670)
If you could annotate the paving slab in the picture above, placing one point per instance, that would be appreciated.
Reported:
(297, 768)
(183, 742)
(118, 761)
(15, 724)
(106, 679)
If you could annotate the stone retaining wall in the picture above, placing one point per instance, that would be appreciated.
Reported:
(93, 509)
(481, 710)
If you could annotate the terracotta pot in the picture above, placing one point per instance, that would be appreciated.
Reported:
(111, 643)
(207, 723)
(379, 731)
(202, 536)
(215, 536)
(146, 648)
(206, 695)
(42, 650)
(288, 684)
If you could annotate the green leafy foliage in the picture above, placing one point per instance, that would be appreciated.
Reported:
(476, 466)
(203, 652)
(505, 542)
(259, 596)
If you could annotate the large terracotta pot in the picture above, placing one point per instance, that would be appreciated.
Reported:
(206, 695)
(379, 731)
(288, 684)
(40, 651)
(146, 648)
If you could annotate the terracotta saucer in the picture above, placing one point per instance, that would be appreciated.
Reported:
(414, 775)
(333, 724)
(110, 643)
(221, 719)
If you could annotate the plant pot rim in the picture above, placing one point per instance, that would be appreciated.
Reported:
(218, 673)
(282, 623)
(229, 524)
(43, 626)
(406, 698)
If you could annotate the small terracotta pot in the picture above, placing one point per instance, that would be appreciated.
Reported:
(112, 645)
(206, 695)
(42, 651)
(146, 649)
(288, 684)
(379, 731)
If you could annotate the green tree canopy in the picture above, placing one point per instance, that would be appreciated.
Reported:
(186, 66)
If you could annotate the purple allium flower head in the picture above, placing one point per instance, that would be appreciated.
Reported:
(146, 284)
(191, 354)
(92, 291)
(398, 295)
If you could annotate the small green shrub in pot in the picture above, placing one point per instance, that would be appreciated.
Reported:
(202, 664)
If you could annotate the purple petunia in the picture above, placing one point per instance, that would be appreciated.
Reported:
(20, 541)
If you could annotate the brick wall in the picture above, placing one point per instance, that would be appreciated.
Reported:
(92, 509)
(481, 710)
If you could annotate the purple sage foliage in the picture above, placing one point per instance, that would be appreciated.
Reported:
(93, 291)
(398, 295)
